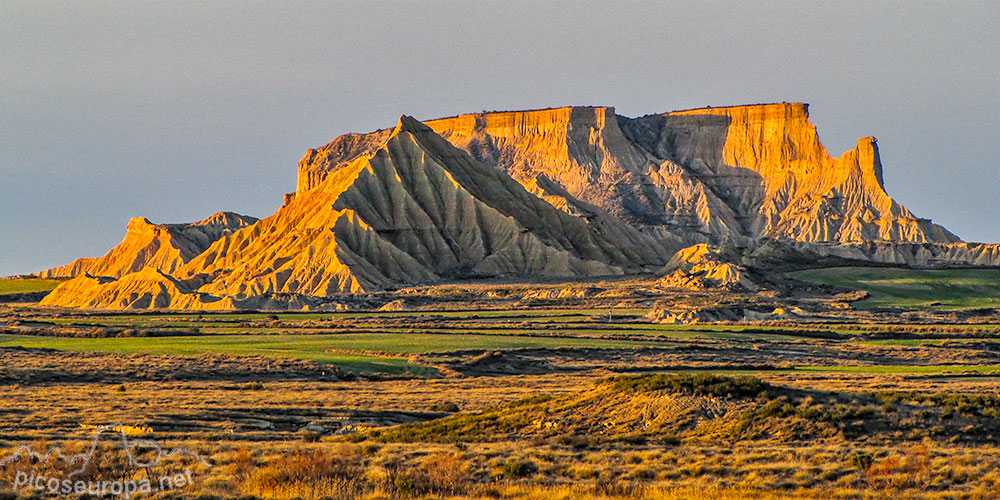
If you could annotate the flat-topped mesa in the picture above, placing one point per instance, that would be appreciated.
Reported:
(571, 192)
(708, 174)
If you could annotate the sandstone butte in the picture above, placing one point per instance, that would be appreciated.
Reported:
(567, 192)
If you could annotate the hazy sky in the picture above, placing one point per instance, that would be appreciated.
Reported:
(174, 110)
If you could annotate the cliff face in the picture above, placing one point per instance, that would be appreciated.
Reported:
(582, 150)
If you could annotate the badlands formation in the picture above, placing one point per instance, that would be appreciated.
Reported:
(707, 196)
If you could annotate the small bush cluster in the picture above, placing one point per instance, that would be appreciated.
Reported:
(701, 384)
(516, 469)
(445, 407)
(951, 403)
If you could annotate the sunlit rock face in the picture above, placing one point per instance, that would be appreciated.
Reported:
(75, 268)
(146, 288)
(704, 266)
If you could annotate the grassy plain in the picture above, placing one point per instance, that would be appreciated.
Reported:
(27, 285)
(914, 288)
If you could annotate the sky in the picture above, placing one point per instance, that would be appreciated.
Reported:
(177, 110)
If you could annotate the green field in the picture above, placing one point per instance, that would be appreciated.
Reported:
(570, 322)
(914, 288)
(334, 349)
(352, 352)
(27, 285)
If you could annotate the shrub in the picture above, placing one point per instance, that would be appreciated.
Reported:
(861, 461)
(669, 440)
(634, 439)
(574, 441)
(309, 474)
(514, 469)
(404, 484)
(705, 384)
(441, 473)
(608, 484)
(445, 407)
